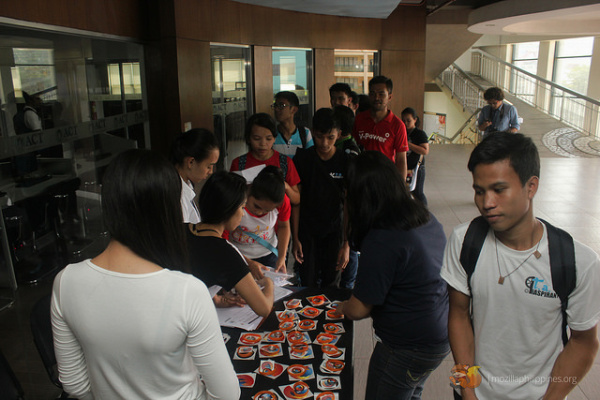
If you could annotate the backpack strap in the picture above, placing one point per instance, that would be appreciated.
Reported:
(242, 162)
(302, 133)
(562, 266)
(283, 164)
(471, 247)
(262, 242)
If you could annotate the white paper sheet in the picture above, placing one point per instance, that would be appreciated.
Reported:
(244, 317)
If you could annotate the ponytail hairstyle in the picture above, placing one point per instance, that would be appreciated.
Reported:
(197, 143)
(411, 111)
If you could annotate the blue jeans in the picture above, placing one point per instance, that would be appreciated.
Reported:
(349, 273)
(400, 374)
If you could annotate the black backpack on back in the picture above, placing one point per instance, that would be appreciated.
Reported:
(562, 260)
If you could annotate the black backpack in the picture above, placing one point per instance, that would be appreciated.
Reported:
(562, 260)
(302, 132)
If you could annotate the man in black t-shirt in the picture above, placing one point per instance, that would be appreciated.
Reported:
(317, 223)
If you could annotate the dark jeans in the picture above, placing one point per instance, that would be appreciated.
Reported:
(349, 273)
(400, 374)
(320, 258)
(270, 260)
(418, 192)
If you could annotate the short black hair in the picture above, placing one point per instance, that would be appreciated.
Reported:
(289, 96)
(364, 103)
(324, 121)
(377, 198)
(141, 207)
(382, 79)
(269, 184)
(263, 120)
(197, 143)
(354, 97)
(221, 196)
(345, 118)
(493, 93)
(341, 87)
(515, 147)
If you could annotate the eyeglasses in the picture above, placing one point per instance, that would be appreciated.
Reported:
(279, 106)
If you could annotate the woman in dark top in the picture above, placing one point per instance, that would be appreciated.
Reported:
(398, 282)
(213, 259)
(418, 146)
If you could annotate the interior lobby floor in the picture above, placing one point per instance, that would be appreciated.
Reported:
(569, 196)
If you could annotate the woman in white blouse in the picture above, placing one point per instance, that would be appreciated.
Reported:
(127, 324)
(194, 154)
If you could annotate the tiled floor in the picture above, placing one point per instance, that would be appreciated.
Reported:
(569, 196)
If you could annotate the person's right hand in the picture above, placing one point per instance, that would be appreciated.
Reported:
(256, 269)
(297, 251)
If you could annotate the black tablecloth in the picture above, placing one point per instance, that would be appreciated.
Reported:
(271, 323)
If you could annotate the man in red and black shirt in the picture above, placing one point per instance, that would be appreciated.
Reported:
(379, 129)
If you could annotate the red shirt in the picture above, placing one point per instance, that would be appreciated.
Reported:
(291, 177)
(387, 136)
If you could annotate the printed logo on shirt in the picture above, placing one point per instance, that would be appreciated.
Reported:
(362, 135)
(336, 175)
(465, 376)
(537, 287)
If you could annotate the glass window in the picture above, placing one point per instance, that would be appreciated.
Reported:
(572, 61)
(525, 56)
(34, 73)
(292, 70)
(356, 68)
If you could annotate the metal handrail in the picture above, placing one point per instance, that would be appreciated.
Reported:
(536, 77)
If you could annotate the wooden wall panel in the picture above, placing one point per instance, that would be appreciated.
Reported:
(324, 76)
(263, 78)
(406, 69)
(404, 29)
(195, 83)
(113, 17)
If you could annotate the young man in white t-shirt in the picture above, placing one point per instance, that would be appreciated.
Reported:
(514, 332)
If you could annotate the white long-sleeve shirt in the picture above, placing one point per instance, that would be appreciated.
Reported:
(138, 336)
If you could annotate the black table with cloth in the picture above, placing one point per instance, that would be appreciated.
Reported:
(271, 323)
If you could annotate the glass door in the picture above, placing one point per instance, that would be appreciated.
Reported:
(232, 98)
(293, 71)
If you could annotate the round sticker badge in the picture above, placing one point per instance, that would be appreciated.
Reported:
(325, 338)
(276, 336)
(296, 337)
(299, 350)
(246, 380)
(297, 371)
(332, 328)
(244, 351)
(310, 312)
(325, 396)
(270, 350)
(265, 395)
(250, 338)
(287, 325)
(334, 365)
(328, 383)
(331, 350)
(316, 300)
(298, 390)
(307, 324)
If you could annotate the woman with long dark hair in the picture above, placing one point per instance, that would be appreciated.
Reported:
(215, 260)
(398, 282)
(127, 324)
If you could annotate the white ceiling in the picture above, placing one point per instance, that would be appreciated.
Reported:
(345, 8)
(533, 17)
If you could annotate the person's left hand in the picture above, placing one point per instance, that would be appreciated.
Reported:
(228, 299)
(343, 257)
